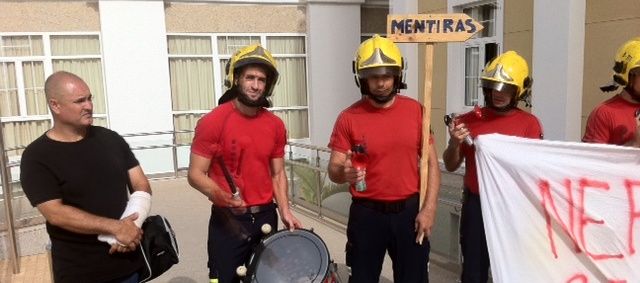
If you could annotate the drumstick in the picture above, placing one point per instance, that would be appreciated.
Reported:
(226, 217)
(420, 238)
(232, 185)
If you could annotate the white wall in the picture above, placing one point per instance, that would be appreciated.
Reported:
(558, 52)
(136, 70)
(409, 50)
(333, 29)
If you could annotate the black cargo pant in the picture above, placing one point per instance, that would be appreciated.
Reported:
(377, 227)
(232, 239)
(473, 241)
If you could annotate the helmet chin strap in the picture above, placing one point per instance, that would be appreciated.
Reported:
(489, 102)
(501, 109)
(244, 99)
(634, 94)
(380, 99)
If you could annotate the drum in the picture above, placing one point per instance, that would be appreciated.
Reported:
(289, 256)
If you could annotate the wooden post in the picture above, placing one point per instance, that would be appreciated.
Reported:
(429, 28)
(426, 119)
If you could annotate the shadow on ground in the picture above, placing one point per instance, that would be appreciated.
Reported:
(181, 279)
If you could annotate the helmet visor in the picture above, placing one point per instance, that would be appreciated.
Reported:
(499, 86)
(379, 71)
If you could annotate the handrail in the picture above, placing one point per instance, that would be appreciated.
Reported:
(5, 177)
(309, 146)
(316, 168)
(314, 155)
(7, 182)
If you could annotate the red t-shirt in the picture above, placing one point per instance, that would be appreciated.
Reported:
(247, 144)
(516, 123)
(392, 137)
(612, 122)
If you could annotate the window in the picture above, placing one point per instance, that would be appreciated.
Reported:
(197, 69)
(290, 94)
(192, 83)
(25, 62)
(478, 50)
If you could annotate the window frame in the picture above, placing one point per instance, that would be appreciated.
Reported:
(456, 93)
(47, 61)
(218, 72)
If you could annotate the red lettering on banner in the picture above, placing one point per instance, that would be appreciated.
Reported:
(578, 278)
(634, 214)
(582, 278)
(584, 220)
(545, 191)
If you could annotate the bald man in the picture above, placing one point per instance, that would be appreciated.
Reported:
(79, 176)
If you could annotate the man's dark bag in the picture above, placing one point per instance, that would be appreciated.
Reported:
(159, 247)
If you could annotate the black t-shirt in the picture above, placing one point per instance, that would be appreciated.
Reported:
(91, 175)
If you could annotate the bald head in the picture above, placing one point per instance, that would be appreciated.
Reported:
(69, 100)
(60, 83)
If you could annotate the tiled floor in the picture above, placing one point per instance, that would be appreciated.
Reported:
(34, 269)
(188, 212)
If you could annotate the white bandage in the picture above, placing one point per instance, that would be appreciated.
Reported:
(139, 202)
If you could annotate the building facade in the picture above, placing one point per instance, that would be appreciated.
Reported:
(157, 66)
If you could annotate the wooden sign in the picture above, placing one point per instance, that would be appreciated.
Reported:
(431, 27)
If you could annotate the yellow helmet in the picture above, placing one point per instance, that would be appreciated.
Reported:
(252, 54)
(507, 72)
(627, 59)
(378, 56)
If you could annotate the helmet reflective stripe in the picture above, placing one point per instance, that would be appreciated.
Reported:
(378, 59)
(499, 74)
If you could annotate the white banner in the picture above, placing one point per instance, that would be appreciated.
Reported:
(560, 211)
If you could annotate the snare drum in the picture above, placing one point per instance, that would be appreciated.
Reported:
(286, 256)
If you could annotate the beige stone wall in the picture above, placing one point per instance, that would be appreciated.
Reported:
(373, 20)
(518, 28)
(439, 83)
(518, 32)
(204, 17)
(608, 25)
(49, 16)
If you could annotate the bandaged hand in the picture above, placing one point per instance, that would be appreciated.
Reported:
(139, 202)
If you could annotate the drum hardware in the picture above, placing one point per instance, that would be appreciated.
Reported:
(289, 256)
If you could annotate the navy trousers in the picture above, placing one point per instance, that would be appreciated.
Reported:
(473, 241)
(232, 239)
(371, 232)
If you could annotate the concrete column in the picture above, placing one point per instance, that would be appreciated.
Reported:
(409, 50)
(558, 51)
(333, 35)
(136, 70)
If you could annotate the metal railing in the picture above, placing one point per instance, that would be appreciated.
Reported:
(312, 160)
(6, 187)
(309, 185)
(309, 188)
(9, 196)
